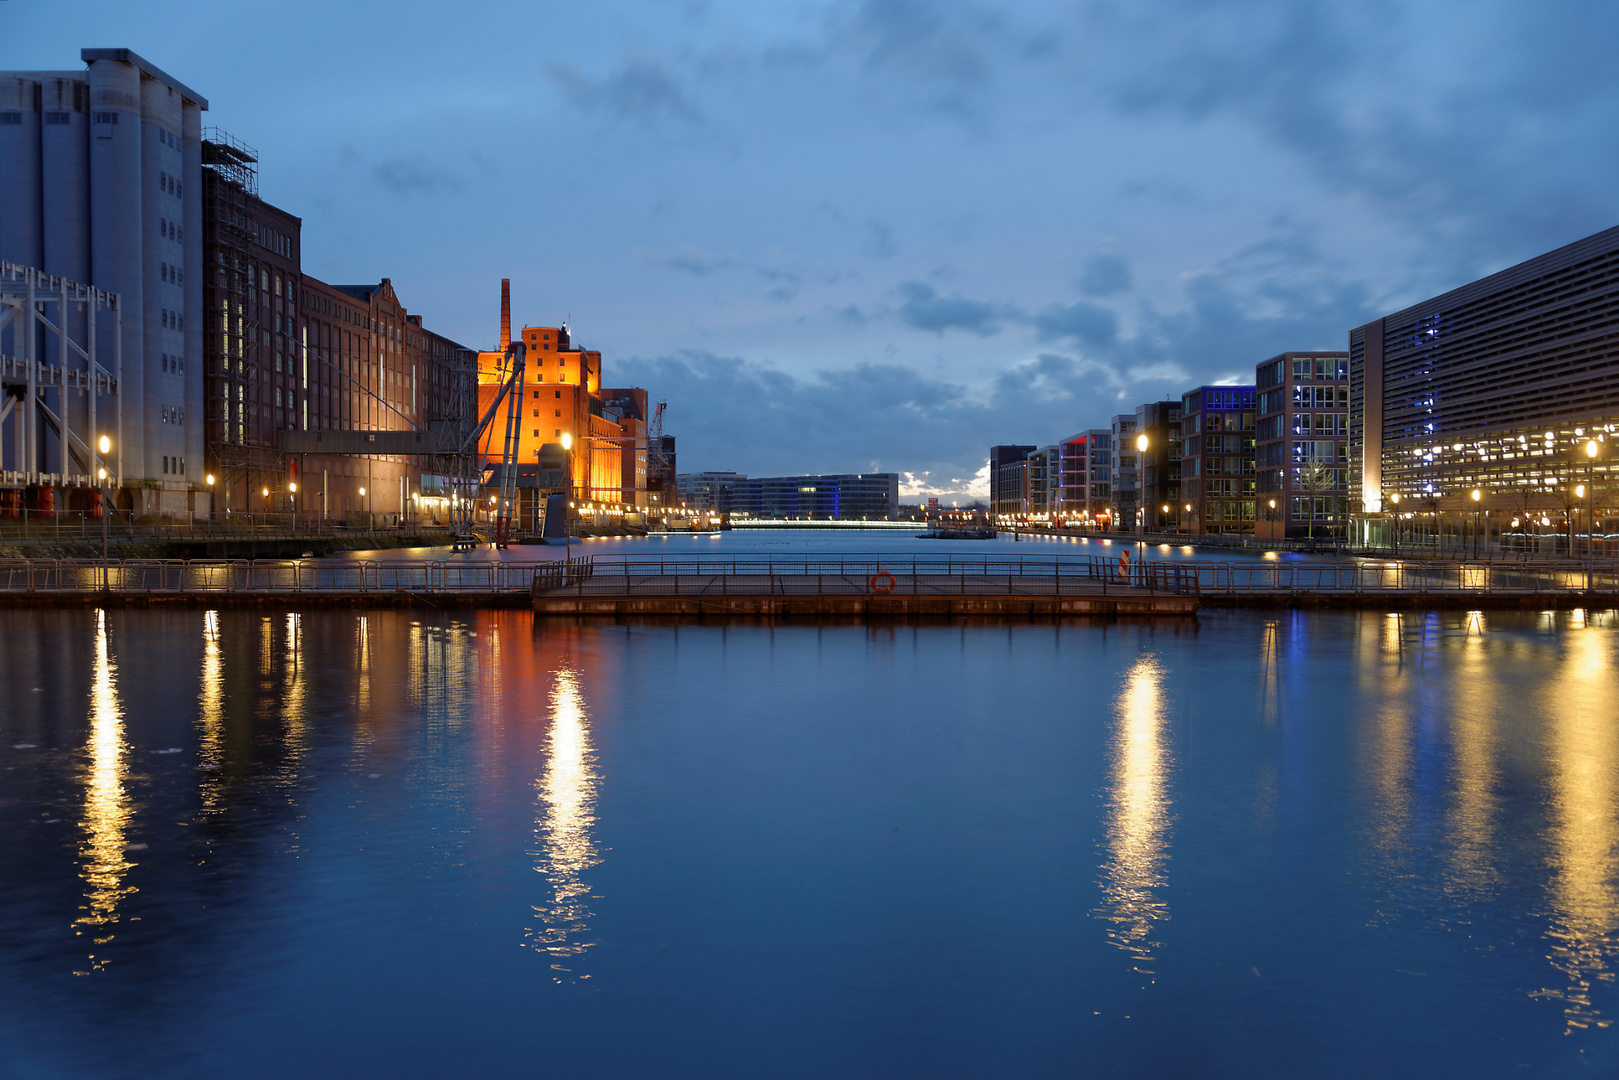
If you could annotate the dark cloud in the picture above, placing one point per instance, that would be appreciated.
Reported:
(925, 309)
(417, 176)
(1481, 143)
(697, 262)
(879, 241)
(1105, 275)
(643, 90)
(1082, 321)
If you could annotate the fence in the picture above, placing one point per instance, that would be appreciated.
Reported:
(831, 574)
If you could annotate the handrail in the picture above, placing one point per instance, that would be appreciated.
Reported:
(840, 573)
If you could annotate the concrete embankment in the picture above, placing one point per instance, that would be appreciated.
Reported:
(219, 547)
(1412, 600)
(810, 608)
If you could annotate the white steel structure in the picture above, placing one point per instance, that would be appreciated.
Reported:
(100, 182)
(59, 397)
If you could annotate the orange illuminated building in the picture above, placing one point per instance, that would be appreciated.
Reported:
(563, 395)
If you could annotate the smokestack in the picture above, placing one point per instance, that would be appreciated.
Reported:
(505, 313)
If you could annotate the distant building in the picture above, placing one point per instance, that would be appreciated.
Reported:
(707, 490)
(1009, 480)
(1126, 489)
(1497, 386)
(1044, 482)
(1217, 459)
(1158, 468)
(838, 496)
(1302, 445)
(1087, 478)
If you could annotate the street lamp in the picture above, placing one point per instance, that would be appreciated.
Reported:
(1141, 471)
(567, 487)
(1477, 495)
(292, 497)
(1273, 516)
(1591, 451)
(1395, 499)
(105, 446)
(210, 479)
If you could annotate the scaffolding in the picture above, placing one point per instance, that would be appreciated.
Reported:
(236, 445)
(48, 329)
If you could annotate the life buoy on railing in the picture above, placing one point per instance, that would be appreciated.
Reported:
(1124, 565)
(879, 579)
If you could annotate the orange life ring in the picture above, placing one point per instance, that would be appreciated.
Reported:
(883, 589)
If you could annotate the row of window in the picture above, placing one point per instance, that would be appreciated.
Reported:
(174, 466)
(171, 274)
(173, 365)
(173, 320)
(173, 414)
(170, 230)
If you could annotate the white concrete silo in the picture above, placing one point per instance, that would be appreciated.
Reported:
(19, 172)
(116, 241)
(191, 171)
(65, 158)
(163, 236)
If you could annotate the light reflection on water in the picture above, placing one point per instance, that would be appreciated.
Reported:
(567, 813)
(1585, 834)
(106, 804)
(1455, 777)
(1138, 817)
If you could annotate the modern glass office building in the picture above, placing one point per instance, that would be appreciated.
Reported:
(845, 496)
(1493, 406)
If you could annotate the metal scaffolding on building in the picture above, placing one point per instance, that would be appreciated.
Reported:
(48, 331)
(230, 188)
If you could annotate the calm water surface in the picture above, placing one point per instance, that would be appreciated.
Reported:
(405, 844)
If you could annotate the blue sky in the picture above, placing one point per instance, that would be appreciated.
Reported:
(884, 235)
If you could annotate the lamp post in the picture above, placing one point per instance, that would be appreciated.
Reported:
(1188, 511)
(1477, 495)
(1395, 499)
(210, 504)
(1592, 449)
(105, 446)
(567, 491)
(367, 510)
(1141, 471)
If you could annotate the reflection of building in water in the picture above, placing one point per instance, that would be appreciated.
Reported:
(1584, 829)
(106, 803)
(1138, 815)
(567, 812)
(1471, 819)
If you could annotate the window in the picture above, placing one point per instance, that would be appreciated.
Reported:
(559, 413)
(559, 393)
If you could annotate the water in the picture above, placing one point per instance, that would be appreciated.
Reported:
(400, 844)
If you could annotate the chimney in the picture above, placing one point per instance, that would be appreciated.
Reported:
(505, 313)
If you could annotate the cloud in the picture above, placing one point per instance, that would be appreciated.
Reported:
(925, 309)
(1081, 321)
(695, 261)
(417, 176)
(643, 90)
(879, 241)
(1105, 275)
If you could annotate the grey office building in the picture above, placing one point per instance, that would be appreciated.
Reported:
(1498, 387)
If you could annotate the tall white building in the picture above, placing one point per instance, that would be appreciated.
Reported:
(100, 182)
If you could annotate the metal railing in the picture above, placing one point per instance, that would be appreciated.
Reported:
(274, 576)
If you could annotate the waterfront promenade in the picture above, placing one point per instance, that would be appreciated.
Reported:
(800, 584)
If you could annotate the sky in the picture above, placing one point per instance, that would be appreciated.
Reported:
(884, 235)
